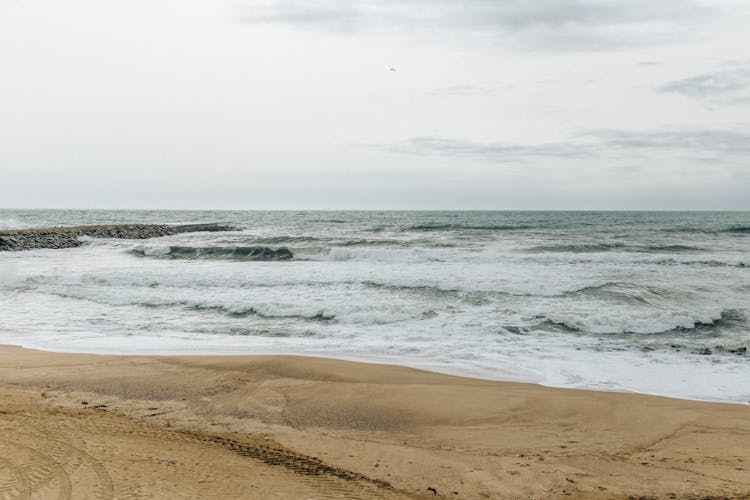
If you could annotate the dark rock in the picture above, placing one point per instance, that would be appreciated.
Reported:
(68, 237)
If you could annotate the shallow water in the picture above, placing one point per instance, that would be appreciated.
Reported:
(653, 302)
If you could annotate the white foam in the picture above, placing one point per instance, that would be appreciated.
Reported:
(629, 320)
(477, 309)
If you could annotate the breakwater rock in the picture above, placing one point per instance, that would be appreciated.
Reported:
(67, 237)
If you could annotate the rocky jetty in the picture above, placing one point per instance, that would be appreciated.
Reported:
(67, 237)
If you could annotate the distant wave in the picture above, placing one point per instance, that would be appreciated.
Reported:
(276, 240)
(710, 263)
(609, 247)
(460, 227)
(593, 248)
(364, 242)
(669, 248)
(271, 240)
(704, 230)
(709, 230)
(241, 253)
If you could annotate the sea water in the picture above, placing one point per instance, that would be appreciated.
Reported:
(651, 302)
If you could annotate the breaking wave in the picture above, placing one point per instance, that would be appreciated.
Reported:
(240, 253)
(623, 293)
(654, 322)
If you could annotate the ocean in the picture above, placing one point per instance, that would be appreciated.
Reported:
(649, 302)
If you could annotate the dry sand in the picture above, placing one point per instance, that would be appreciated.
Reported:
(84, 426)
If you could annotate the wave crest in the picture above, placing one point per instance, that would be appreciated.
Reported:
(649, 324)
(241, 253)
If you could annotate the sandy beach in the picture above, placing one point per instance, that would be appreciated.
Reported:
(385, 249)
(92, 426)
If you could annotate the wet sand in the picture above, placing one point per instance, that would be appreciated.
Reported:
(85, 426)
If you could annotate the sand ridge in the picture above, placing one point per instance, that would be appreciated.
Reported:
(297, 427)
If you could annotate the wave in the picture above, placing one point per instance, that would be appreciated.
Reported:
(593, 248)
(362, 249)
(654, 324)
(699, 230)
(460, 227)
(240, 253)
(471, 297)
(670, 248)
(275, 240)
(429, 289)
(610, 247)
(248, 311)
(271, 240)
(265, 311)
(622, 292)
(233, 312)
(365, 242)
(307, 313)
(706, 230)
(709, 263)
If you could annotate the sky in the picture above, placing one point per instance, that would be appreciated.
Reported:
(375, 104)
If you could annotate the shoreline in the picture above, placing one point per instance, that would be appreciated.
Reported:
(405, 363)
(304, 426)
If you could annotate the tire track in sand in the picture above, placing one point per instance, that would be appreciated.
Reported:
(76, 462)
(61, 453)
(18, 487)
(41, 472)
(311, 470)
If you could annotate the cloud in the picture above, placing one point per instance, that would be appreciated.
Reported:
(496, 152)
(698, 141)
(541, 24)
(697, 144)
(723, 86)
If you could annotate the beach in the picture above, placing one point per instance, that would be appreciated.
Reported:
(320, 249)
(646, 302)
(103, 426)
(370, 355)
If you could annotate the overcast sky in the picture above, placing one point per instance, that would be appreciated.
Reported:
(258, 104)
